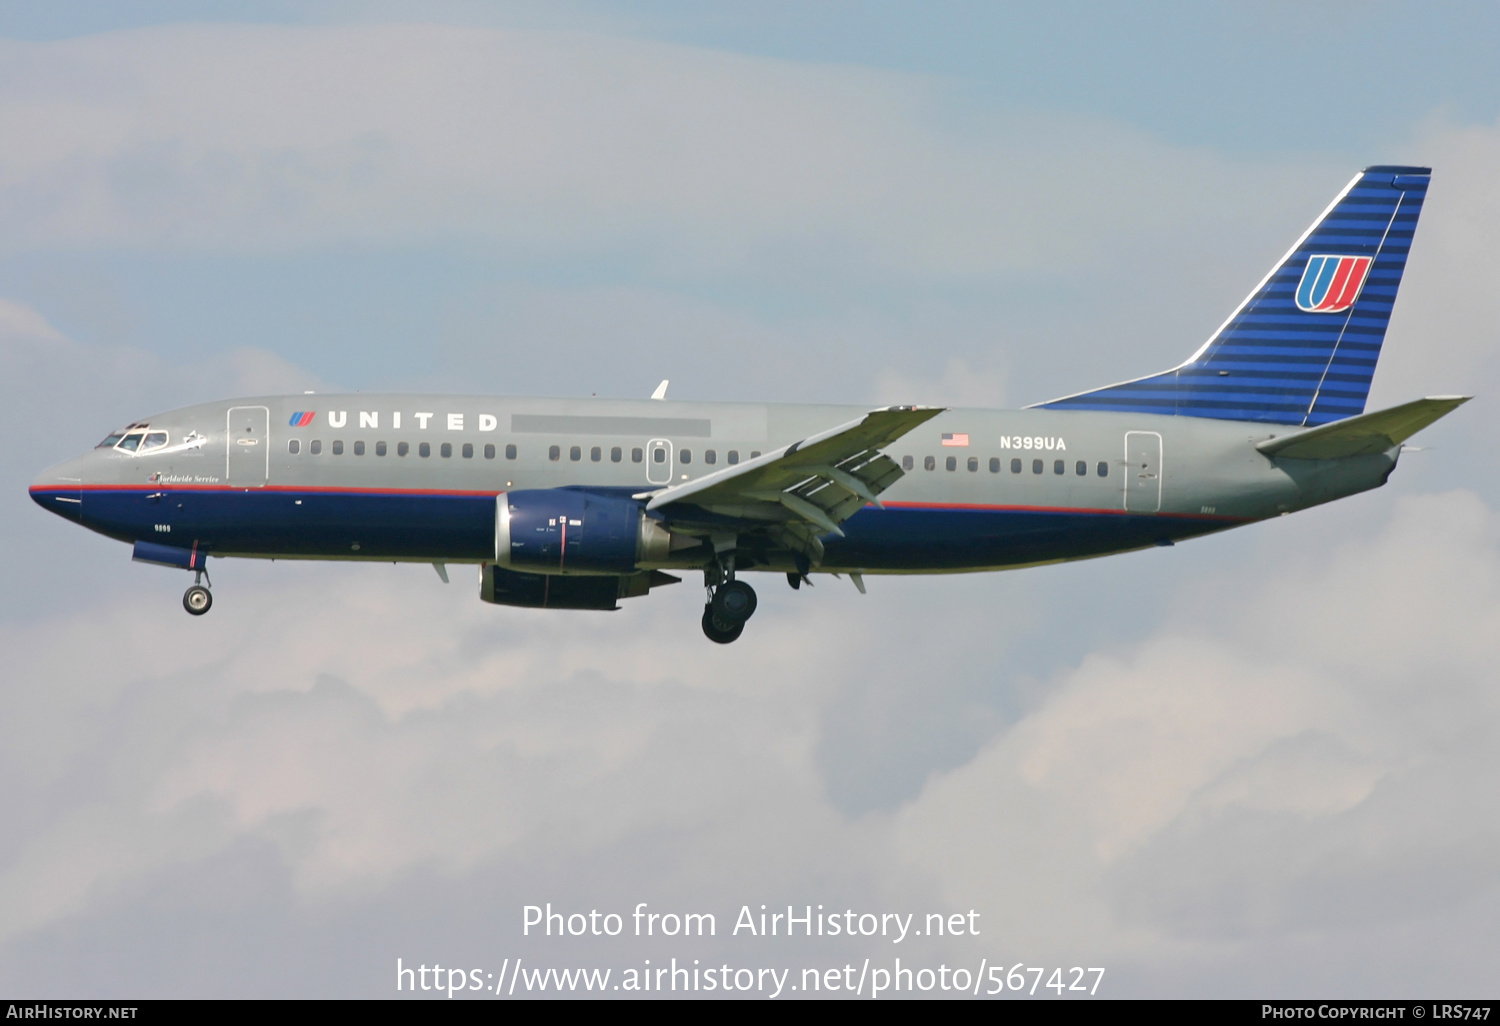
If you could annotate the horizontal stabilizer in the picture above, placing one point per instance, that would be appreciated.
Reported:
(1363, 435)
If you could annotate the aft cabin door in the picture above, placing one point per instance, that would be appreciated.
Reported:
(1142, 471)
(248, 438)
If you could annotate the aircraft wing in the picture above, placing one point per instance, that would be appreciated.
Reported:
(810, 486)
(1366, 433)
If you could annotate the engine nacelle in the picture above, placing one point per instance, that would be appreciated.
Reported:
(556, 591)
(561, 531)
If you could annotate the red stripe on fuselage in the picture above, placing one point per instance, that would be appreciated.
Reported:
(285, 489)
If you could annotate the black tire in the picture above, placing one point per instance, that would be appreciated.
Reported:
(733, 603)
(197, 600)
(717, 632)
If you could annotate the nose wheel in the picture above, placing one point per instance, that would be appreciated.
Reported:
(732, 603)
(198, 599)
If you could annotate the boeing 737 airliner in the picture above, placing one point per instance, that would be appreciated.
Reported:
(576, 504)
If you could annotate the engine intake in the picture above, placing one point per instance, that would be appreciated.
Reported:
(561, 531)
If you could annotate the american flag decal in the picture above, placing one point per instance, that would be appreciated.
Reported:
(955, 439)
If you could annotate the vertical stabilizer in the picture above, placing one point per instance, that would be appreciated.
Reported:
(1301, 349)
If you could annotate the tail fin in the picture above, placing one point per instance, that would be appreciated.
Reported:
(1301, 348)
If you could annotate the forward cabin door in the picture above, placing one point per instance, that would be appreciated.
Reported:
(248, 438)
(1142, 471)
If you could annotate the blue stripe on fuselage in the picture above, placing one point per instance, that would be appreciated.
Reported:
(461, 527)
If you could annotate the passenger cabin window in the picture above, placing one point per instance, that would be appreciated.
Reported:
(446, 450)
(1036, 466)
(402, 448)
(424, 449)
(734, 456)
(510, 452)
(554, 453)
(1059, 466)
(153, 440)
(907, 463)
(1015, 466)
(994, 464)
(616, 454)
(685, 455)
(1081, 468)
(359, 448)
(338, 448)
(754, 453)
(710, 456)
(1102, 469)
(293, 446)
(951, 462)
(973, 464)
(596, 454)
(635, 455)
(468, 450)
(315, 446)
(575, 453)
(381, 449)
(929, 463)
(489, 450)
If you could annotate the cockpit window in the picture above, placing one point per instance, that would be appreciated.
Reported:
(154, 440)
(110, 442)
(132, 441)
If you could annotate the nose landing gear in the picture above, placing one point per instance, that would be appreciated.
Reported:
(198, 599)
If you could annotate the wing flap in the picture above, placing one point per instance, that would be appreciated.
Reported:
(1365, 434)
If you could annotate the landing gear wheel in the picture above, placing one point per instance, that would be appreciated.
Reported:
(197, 600)
(733, 603)
(718, 632)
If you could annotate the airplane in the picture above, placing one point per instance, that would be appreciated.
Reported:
(579, 503)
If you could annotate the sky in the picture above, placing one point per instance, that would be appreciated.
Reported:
(1261, 764)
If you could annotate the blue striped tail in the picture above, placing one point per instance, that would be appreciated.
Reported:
(1301, 349)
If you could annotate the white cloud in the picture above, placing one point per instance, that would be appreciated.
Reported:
(1305, 751)
(256, 137)
(1297, 758)
(1312, 751)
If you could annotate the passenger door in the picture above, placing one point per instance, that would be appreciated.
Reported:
(1142, 471)
(247, 462)
(659, 461)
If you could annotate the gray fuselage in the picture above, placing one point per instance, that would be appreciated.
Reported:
(414, 477)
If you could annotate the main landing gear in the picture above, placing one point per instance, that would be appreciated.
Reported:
(198, 599)
(730, 604)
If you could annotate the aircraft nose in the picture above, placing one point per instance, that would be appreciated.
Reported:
(59, 489)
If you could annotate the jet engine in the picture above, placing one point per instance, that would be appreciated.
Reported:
(556, 531)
